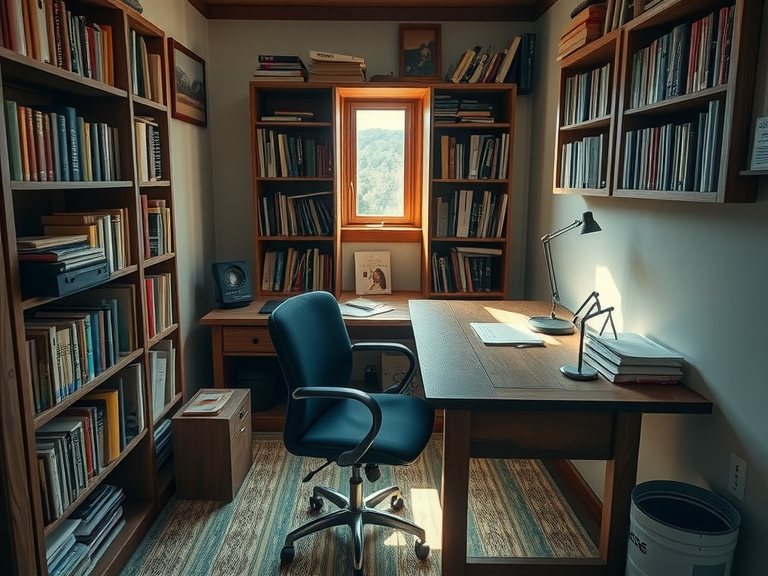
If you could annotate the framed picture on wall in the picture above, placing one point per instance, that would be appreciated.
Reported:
(188, 100)
(420, 52)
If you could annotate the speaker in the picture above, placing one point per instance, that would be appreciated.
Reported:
(233, 284)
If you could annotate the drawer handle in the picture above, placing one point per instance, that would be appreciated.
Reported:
(242, 429)
(243, 412)
(255, 341)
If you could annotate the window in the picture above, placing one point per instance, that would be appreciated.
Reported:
(382, 157)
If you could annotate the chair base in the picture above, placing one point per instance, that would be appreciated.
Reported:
(355, 512)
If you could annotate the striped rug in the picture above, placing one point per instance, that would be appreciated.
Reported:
(515, 510)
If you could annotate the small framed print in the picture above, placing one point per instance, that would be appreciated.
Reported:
(188, 101)
(420, 52)
(372, 273)
(760, 145)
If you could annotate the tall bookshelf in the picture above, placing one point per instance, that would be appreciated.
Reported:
(470, 191)
(666, 138)
(294, 193)
(104, 94)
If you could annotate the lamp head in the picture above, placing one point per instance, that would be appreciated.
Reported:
(588, 224)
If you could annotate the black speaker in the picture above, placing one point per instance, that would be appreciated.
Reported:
(233, 284)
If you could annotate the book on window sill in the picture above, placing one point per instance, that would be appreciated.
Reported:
(207, 404)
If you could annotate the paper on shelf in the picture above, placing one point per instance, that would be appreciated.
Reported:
(506, 333)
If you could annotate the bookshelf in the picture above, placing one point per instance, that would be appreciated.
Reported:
(667, 138)
(294, 193)
(470, 191)
(112, 194)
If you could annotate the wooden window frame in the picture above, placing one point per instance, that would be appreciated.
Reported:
(351, 101)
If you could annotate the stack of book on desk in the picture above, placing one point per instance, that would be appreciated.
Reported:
(59, 265)
(632, 358)
(331, 67)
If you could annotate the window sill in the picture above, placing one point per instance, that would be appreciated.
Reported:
(380, 234)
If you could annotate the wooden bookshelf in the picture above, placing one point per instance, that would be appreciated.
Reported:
(651, 143)
(102, 93)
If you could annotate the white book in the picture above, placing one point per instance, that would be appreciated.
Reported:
(334, 57)
(630, 348)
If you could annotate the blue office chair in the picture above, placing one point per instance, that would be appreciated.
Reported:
(328, 419)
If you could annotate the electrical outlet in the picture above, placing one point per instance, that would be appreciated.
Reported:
(738, 476)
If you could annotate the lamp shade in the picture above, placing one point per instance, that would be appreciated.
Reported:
(588, 224)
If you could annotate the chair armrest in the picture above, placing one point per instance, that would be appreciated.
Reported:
(351, 456)
(391, 347)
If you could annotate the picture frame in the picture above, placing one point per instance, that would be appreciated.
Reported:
(372, 273)
(420, 52)
(188, 87)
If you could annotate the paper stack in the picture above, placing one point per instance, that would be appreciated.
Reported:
(332, 67)
(632, 358)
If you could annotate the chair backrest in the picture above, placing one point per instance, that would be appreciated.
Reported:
(313, 347)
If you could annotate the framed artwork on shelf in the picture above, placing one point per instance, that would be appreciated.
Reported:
(372, 273)
(420, 52)
(188, 100)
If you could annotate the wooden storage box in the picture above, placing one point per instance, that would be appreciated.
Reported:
(212, 454)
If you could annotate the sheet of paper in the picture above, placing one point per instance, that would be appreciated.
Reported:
(351, 310)
(501, 333)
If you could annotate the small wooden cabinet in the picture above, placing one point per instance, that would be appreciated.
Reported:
(213, 453)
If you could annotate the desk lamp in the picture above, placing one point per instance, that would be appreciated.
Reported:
(552, 324)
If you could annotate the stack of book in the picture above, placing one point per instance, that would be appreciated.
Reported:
(632, 358)
(331, 67)
(585, 27)
(512, 65)
(277, 68)
(49, 263)
(475, 111)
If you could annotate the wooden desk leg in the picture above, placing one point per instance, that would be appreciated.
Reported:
(456, 428)
(620, 479)
(217, 346)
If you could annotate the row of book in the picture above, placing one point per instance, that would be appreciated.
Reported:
(296, 215)
(163, 442)
(512, 65)
(156, 226)
(49, 32)
(619, 12)
(162, 376)
(587, 95)
(449, 108)
(297, 270)
(632, 359)
(293, 155)
(280, 68)
(581, 163)
(676, 156)
(159, 300)
(333, 67)
(77, 445)
(149, 161)
(585, 26)
(692, 56)
(473, 157)
(53, 143)
(83, 336)
(470, 214)
(146, 70)
(464, 269)
(77, 543)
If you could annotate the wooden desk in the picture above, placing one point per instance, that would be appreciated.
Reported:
(239, 333)
(507, 402)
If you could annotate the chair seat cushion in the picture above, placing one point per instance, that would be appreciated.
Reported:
(405, 429)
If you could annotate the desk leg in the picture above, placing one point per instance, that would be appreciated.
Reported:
(620, 479)
(217, 345)
(456, 430)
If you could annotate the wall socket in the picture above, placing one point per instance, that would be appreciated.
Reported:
(738, 476)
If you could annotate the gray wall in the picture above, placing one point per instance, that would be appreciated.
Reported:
(691, 276)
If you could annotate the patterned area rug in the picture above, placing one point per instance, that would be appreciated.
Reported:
(515, 510)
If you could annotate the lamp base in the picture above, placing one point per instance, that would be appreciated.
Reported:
(573, 372)
(549, 325)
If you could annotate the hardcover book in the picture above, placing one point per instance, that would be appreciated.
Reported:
(372, 273)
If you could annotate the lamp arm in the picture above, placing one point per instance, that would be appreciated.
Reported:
(545, 240)
(588, 316)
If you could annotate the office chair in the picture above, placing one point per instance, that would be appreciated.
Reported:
(328, 419)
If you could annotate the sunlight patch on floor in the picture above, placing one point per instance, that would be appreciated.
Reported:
(427, 513)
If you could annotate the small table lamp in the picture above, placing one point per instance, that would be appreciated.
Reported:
(552, 324)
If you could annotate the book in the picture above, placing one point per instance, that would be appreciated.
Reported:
(509, 56)
(112, 420)
(631, 348)
(362, 307)
(372, 273)
(207, 404)
(319, 56)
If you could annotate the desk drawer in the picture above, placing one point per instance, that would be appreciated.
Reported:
(247, 340)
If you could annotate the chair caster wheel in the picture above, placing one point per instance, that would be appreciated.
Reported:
(422, 550)
(397, 502)
(287, 554)
(316, 503)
